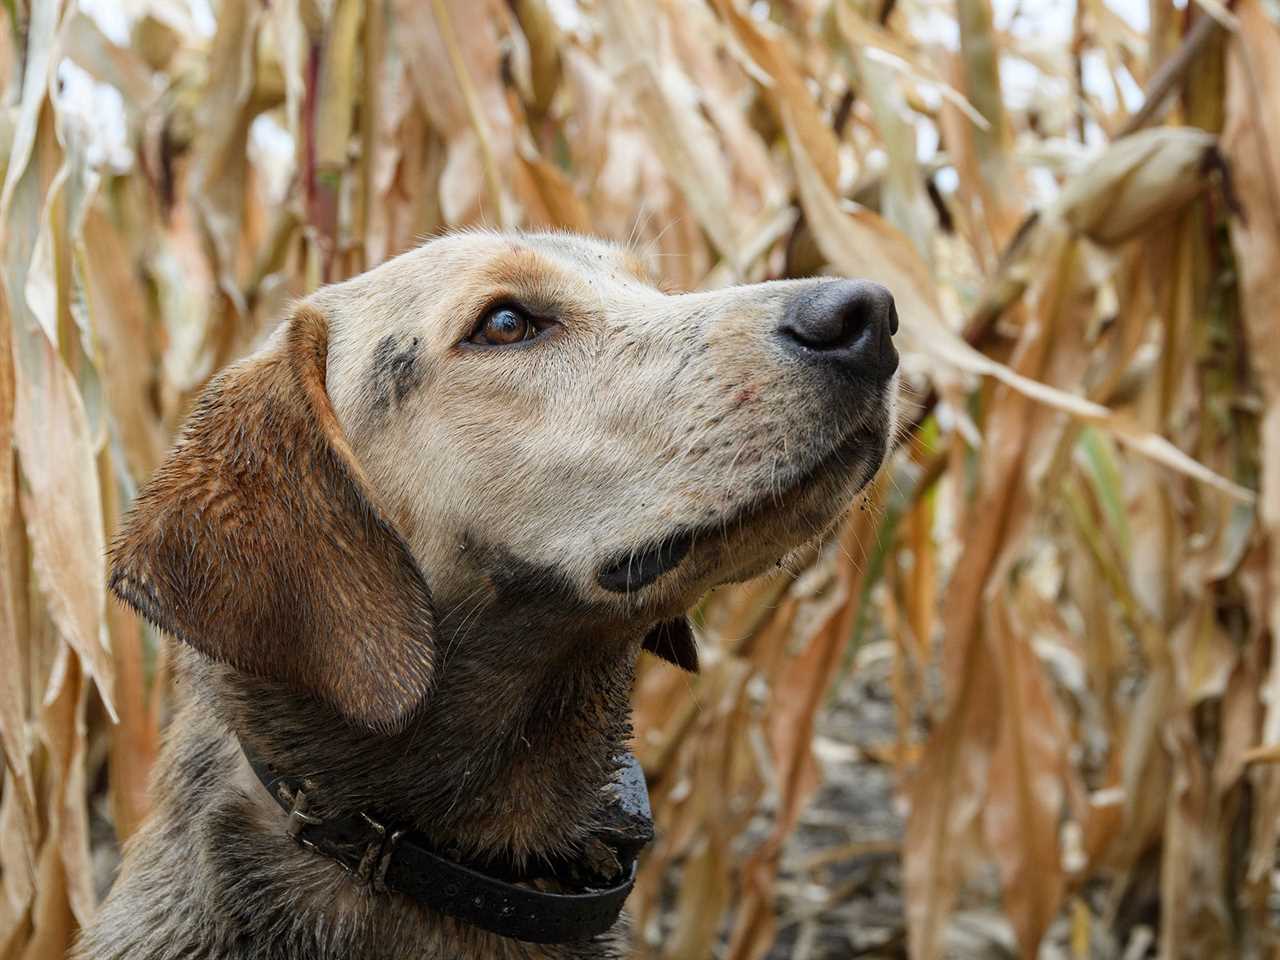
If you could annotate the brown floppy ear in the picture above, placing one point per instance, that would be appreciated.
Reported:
(672, 640)
(259, 543)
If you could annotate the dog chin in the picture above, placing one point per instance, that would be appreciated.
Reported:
(811, 514)
(785, 551)
(791, 535)
(752, 535)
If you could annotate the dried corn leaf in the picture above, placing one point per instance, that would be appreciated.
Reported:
(1250, 144)
(453, 54)
(799, 692)
(946, 794)
(19, 791)
(788, 94)
(680, 135)
(221, 142)
(1026, 788)
(83, 41)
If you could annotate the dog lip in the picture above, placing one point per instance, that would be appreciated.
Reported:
(639, 568)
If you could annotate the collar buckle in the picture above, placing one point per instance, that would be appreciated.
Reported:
(299, 819)
(378, 842)
(372, 868)
(373, 852)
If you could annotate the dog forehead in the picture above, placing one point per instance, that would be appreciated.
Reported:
(592, 255)
(470, 252)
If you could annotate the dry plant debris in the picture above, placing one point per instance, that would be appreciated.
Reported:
(1069, 573)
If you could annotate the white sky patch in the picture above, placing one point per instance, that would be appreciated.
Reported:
(1129, 90)
(202, 17)
(113, 17)
(937, 27)
(926, 140)
(272, 153)
(1043, 185)
(1135, 13)
(1046, 21)
(97, 111)
(1019, 82)
(1097, 79)
(567, 16)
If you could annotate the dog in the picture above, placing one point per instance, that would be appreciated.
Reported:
(412, 549)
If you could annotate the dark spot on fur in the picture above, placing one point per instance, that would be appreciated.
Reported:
(396, 372)
(520, 582)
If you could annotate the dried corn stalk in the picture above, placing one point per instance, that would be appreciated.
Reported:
(1065, 559)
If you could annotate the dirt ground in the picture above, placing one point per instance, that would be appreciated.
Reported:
(841, 885)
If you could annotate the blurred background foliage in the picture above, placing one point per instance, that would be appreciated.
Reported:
(1063, 593)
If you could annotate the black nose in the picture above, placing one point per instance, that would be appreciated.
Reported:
(850, 322)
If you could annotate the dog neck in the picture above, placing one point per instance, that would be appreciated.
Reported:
(507, 760)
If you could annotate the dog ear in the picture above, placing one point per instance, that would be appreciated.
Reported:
(259, 543)
(672, 640)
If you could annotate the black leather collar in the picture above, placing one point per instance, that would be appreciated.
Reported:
(488, 896)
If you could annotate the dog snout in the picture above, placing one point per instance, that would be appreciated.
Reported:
(846, 322)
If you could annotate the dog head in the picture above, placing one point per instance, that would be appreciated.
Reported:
(503, 430)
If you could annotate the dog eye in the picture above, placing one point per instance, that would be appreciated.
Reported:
(504, 326)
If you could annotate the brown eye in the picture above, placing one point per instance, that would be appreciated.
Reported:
(504, 326)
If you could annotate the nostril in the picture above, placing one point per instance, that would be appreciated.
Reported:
(840, 315)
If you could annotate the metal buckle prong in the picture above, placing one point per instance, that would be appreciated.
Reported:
(298, 816)
(384, 859)
(373, 865)
(372, 851)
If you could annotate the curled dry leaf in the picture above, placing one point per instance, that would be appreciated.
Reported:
(1026, 787)
(221, 140)
(1135, 183)
(19, 829)
(453, 54)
